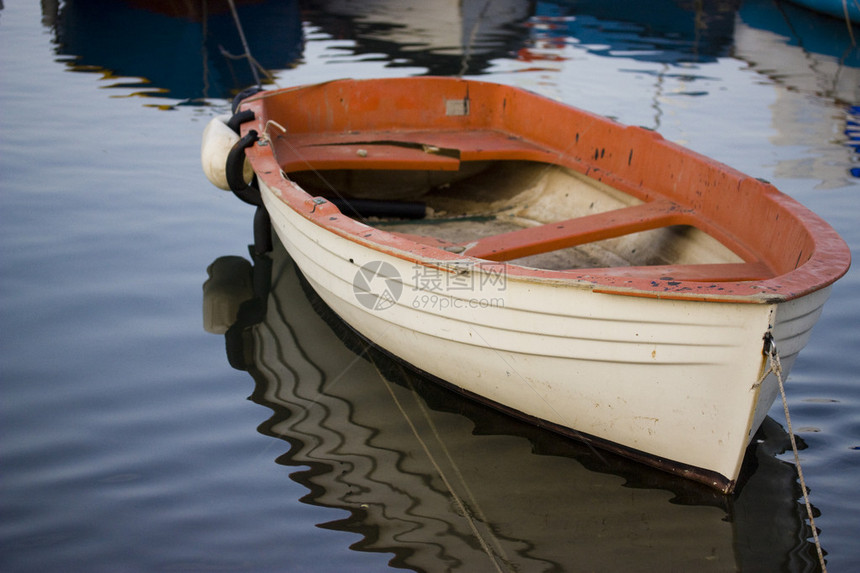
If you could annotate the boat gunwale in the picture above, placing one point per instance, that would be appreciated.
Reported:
(829, 260)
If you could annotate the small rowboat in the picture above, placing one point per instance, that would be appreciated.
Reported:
(589, 277)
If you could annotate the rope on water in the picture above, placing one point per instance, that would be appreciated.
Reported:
(461, 505)
(776, 368)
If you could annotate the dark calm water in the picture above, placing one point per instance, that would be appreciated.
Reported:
(131, 439)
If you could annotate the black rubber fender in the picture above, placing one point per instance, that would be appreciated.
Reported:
(239, 118)
(262, 231)
(235, 167)
(245, 93)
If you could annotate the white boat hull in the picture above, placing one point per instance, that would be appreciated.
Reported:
(624, 293)
(673, 383)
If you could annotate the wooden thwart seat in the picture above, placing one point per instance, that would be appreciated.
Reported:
(581, 230)
(608, 225)
(405, 150)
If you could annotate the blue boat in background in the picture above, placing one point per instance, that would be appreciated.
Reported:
(809, 54)
(843, 9)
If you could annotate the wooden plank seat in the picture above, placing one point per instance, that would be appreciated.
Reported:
(409, 150)
(580, 230)
(608, 225)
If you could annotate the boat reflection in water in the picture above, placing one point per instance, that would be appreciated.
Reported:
(807, 57)
(443, 483)
(665, 31)
(447, 37)
(186, 51)
(457, 36)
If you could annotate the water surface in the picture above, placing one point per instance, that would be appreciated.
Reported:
(129, 442)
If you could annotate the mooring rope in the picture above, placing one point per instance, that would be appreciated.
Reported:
(459, 474)
(461, 505)
(845, 11)
(251, 61)
(776, 368)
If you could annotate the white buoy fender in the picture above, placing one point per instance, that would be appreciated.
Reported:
(218, 140)
(230, 283)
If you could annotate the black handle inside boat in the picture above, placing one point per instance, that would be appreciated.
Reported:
(235, 171)
(378, 208)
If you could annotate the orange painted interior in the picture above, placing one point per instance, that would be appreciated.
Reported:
(409, 124)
